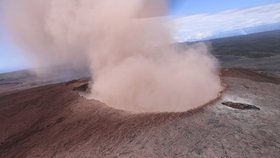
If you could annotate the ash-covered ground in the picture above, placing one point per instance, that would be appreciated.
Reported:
(42, 118)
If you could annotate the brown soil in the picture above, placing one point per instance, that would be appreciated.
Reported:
(55, 121)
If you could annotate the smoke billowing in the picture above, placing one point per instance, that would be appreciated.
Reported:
(128, 51)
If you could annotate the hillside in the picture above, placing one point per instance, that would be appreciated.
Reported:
(259, 51)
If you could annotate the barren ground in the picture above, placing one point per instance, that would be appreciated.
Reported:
(55, 121)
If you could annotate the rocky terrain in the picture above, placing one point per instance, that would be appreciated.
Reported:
(55, 121)
(43, 117)
(259, 51)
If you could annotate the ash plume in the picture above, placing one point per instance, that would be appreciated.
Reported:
(134, 63)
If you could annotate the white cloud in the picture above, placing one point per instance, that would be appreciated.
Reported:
(200, 26)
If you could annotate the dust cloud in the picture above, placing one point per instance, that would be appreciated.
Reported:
(133, 60)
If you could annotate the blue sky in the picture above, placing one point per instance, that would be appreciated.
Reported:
(228, 23)
(190, 7)
(194, 20)
(11, 57)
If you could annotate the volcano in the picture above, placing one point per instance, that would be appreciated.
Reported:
(55, 121)
(50, 118)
